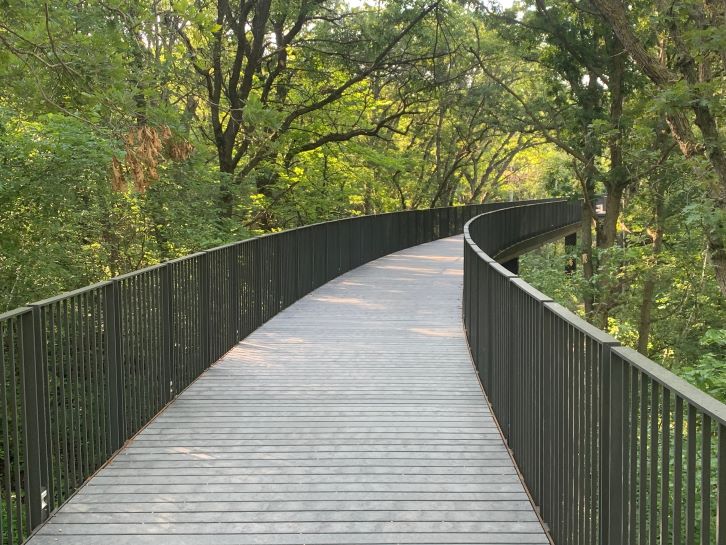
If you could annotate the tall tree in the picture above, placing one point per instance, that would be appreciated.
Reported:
(687, 63)
(580, 109)
(269, 68)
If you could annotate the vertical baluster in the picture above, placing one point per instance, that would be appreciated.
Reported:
(721, 486)
(653, 492)
(665, 468)
(678, 472)
(706, 480)
(691, 478)
(643, 459)
(633, 455)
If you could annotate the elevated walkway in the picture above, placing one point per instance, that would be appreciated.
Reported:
(352, 417)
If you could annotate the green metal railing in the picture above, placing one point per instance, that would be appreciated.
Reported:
(84, 371)
(614, 449)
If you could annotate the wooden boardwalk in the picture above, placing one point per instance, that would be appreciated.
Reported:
(353, 417)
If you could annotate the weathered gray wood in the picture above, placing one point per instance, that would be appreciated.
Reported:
(297, 470)
(353, 417)
(211, 462)
(60, 528)
(299, 479)
(283, 495)
(219, 517)
(294, 506)
(408, 538)
(311, 488)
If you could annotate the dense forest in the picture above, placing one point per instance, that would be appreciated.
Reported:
(134, 131)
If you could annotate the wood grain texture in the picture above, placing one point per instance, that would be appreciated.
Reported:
(353, 417)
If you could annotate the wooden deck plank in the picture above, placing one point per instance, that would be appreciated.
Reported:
(299, 516)
(353, 417)
(379, 538)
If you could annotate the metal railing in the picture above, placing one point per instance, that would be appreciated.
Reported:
(614, 449)
(84, 371)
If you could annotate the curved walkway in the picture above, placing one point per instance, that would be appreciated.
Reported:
(353, 417)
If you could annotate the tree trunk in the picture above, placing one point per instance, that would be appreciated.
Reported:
(649, 285)
(226, 169)
(590, 103)
(616, 181)
(607, 230)
(717, 190)
(646, 308)
(586, 254)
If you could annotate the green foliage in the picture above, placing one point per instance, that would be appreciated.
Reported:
(545, 270)
(686, 325)
(64, 227)
(709, 371)
(54, 200)
(464, 106)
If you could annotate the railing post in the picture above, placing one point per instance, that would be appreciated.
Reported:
(112, 343)
(34, 383)
(465, 303)
(278, 287)
(298, 276)
(480, 302)
(256, 283)
(721, 486)
(166, 335)
(204, 310)
(511, 356)
(235, 293)
(507, 358)
(475, 322)
(490, 319)
(612, 498)
(547, 434)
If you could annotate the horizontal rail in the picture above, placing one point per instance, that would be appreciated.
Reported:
(615, 449)
(82, 372)
(537, 241)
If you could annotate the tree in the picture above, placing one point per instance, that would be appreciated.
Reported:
(580, 108)
(269, 68)
(688, 66)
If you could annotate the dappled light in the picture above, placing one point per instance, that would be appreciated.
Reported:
(437, 332)
(349, 301)
(327, 272)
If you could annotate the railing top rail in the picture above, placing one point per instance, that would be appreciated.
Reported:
(151, 268)
(698, 398)
(473, 245)
(527, 244)
(185, 258)
(131, 274)
(524, 204)
(68, 294)
(14, 313)
(506, 273)
(227, 245)
(586, 327)
(532, 292)
(579, 409)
